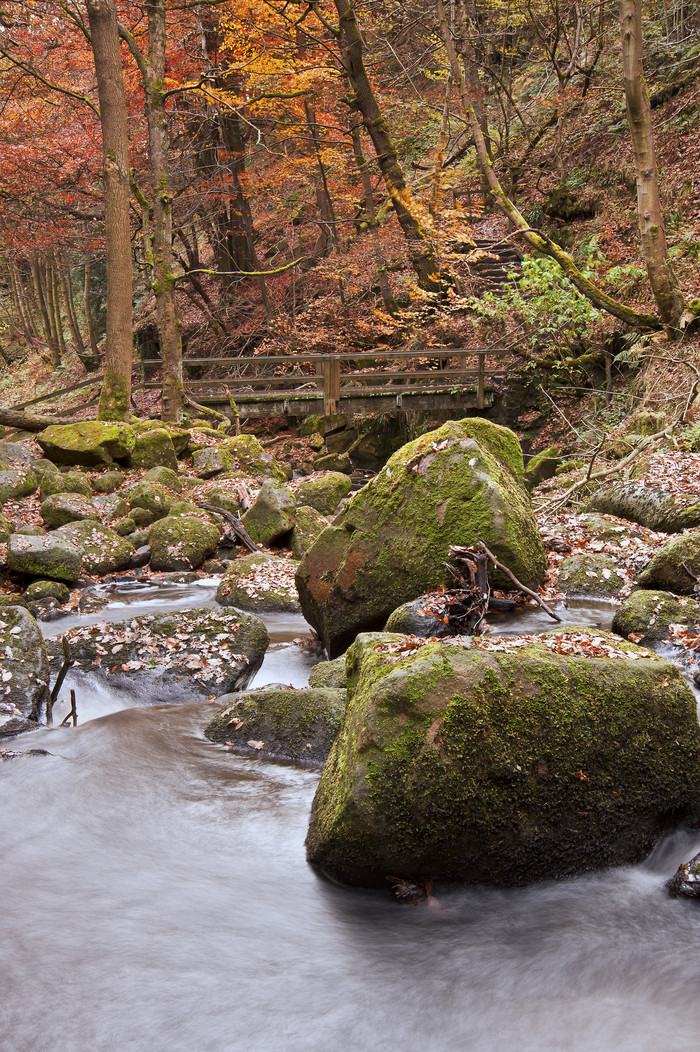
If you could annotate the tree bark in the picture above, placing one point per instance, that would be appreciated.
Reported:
(115, 397)
(379, 259)
(662, 278)
(87, 307)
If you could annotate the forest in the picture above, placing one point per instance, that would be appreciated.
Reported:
(266, 178)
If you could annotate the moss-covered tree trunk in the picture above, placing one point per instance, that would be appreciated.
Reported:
(420, 248)
(662, 278)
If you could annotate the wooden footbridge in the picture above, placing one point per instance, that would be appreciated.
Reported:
(368, 382)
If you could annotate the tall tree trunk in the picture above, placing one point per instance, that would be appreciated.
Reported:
(38, 278)
(87, 307)
(662, 278)
(115, 397)
(160, 250)
(420, 249)
(379, 259)
(536, 240)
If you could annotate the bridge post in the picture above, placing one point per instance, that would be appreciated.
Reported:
(480, 389)
(329, 368)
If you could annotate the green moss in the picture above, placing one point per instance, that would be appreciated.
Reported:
(114, 397)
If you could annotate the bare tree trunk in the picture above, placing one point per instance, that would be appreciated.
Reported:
(54, 305)
(662, 278)
(38, 279)
(87, 288)
(420, 248)
(325, 194)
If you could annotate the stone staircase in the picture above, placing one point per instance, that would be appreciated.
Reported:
(493, 260)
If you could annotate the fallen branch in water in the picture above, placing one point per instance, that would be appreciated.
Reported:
(73, 714)
(68, 660)
(481, 547)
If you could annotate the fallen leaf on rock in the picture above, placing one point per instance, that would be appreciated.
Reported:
(256, 745)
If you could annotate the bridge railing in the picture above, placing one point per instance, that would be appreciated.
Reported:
(334, 377)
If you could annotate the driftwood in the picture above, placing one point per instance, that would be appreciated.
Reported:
(235, 523)
(73, 714)
(68, 660)
(481, 547)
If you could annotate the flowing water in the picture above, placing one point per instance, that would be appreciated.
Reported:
(155, 896)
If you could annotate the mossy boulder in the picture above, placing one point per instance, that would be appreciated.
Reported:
(163, 476)
(282, 723)
(418, 618)
(225, 494)
(111, 506)
(154, 448)
(6, 528)
(62, 508)
(323, 492)
(647, 615)
(272, 514)
(46, 556)
(609, 528)
(172, 657)
(182, 542)
(329, 674)
(260, 583)
(70, 482)
(15, 454)
(104, 550)
(590, 574)
(212, 460)
(542, 466)
(504, 761)
(250, 458)
(309, 525)
(675, 567)
(17, 483)
(389, 544)
(650, 506)
(24, 671)
(334, 463)
(39, 590)
(91, 442)
(151, 496)
(108, 481)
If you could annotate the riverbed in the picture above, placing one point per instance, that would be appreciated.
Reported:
(155, 896)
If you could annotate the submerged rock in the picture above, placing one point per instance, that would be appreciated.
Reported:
(280, 723)
(505, 760)
(457, 485)
(685, 883)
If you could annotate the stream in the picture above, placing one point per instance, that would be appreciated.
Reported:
(155, 896)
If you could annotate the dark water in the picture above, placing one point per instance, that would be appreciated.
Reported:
(155, 896)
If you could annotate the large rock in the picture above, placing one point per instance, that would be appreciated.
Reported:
(650, 506)
(504, 761)
(308, 527)
(182, 542)
(675, 567)
(280, 723)
(590, 575)
(24, 671)
(172, 657)
(47, 556)
(259, 583)
(251, 459)
(17, 483)
(323, 492)
(15, 454)
(457, 485)
(212, 460)
(272, 515)
(71, 482)
(91, 442)
(103, 550)
(62, 508)
(151, 497)
(646, 615)
(154, 448)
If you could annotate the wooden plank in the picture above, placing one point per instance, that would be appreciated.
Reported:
(57, 393)
(345, 356)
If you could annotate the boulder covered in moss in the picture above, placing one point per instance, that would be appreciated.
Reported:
(226, 494)
(422, 617)
(646, 615)
(542, 466)
(90, 442)
(62, 508)
(675, 567)
(329, 674)
(103, 549)
(260, 583)
(309, 525)
(211, 461)
(68, 482)
(151, 496)
(457, 485)
(45, 556)
(182, 542)
(17, 483)
(280, 723)
(6, 528)
(650, 506)
(24, 671)
(504, 761)
(108, 481)
(154, 448)
(251, 459)
(323, 492)
(272, 514)
(111, 506)
(15, 454)
(186, 654)
(590, 575)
